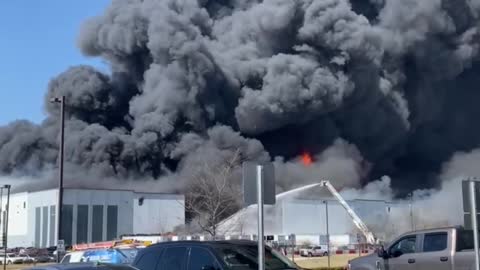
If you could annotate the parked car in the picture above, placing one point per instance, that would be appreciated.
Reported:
(314, 251)
(209, 255)
(439, 249)
(27, 258)
(43, 258)
(84, 266)
(12, 258)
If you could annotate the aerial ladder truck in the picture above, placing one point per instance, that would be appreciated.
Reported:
(369, 236)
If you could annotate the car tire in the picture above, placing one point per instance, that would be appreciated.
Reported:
(310, 254)
(325, 254)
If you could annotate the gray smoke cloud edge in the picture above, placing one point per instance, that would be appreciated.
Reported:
(369, 88)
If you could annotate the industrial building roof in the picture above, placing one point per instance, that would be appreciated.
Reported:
(137, 186)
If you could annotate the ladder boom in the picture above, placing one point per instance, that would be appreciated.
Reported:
(356, 219)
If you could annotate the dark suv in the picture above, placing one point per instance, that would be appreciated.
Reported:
(208, 255)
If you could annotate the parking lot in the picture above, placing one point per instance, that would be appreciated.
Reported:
(321, 262)
(304, 262)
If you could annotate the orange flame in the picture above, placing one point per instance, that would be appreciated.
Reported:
(307, 159)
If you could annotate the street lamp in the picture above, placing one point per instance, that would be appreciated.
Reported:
(60, 100)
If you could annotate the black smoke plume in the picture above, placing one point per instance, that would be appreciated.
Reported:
(192, 81)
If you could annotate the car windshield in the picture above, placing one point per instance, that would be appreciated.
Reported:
(245, 257)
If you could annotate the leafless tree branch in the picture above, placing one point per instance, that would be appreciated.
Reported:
(212, 196)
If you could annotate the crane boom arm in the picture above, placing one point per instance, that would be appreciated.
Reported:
(356, 219)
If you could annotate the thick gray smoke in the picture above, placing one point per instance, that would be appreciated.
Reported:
(388, 88)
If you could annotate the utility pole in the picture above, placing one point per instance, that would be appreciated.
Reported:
(5, 239)
(60, 100)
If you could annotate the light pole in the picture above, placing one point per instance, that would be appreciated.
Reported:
(5, 230)
(60, 100)
(328, 232)
(411, 211)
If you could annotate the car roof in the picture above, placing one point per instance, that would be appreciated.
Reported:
(422, 231)
(205, 243)
(83, 266)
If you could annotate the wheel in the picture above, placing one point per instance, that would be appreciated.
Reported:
(9, 262)
(325, 254)
(310, 254)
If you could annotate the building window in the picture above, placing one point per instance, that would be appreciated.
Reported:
(140, 201)
(112, 222)
(97, 223)
(82, 224)
(24, 205)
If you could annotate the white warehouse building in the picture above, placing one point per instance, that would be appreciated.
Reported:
(89, 215)
(306, 218)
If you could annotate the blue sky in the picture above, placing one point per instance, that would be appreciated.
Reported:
(37, 42)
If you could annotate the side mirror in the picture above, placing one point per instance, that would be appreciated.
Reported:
(382, 253)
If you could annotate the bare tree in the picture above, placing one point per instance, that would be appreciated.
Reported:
(212, 195)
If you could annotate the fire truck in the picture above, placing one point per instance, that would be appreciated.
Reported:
(120, 251)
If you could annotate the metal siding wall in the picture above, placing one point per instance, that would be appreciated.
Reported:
(82, 224)
(90, 223)
(112, 222)
(123, 200)
(37, 199)
(97, 223)
(67, 223)
(163, 212)
(18, 223)
(158, 213)
(44, 226)
(312, 214)
(38, 224)
(52, 226)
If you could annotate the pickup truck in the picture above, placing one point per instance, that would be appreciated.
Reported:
(437, 249)
(314, 251)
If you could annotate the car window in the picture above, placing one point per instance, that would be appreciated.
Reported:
(66, 259)
(435, 242)
(200, 259)
(174, 258)
(405, 245)
(246, 257)
(147, 261)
